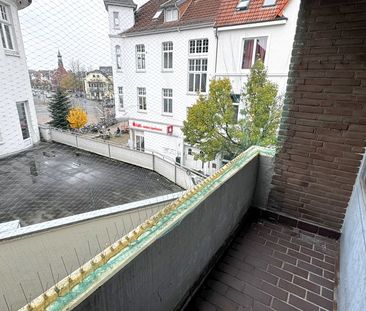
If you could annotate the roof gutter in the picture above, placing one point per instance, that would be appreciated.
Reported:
(276, 22)
(157, 31)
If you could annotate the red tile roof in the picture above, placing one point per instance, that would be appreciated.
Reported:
(229, 15)
(191, 11)
(220, 12)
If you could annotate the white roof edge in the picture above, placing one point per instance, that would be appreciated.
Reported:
(47, 225)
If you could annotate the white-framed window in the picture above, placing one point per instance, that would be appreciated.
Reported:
(242, 5)
(253, 48)
(171, 15)
(140, 57)
(198, 46)
(269, 2)
(140, 142)
(197, 66)
(168, 101)
(167, 55)
(197, 75)
(23, 121)
(116, 19)
(118, 57)
(141, 98)
(120, 97)
(6, 28)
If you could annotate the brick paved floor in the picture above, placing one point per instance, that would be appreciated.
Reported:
(271, 267)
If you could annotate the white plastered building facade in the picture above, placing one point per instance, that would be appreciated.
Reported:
(18, 121)
(154, 129)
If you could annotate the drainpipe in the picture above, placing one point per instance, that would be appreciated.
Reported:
(217, 44)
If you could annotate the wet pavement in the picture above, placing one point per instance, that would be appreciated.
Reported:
(52, 180)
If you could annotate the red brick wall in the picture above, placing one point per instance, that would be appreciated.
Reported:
(323, 128)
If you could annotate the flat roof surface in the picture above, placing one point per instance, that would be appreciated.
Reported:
(51, 181)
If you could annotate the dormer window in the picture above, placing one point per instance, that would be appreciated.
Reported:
(269, 2)
(157, 14)
(242, 5)
(171, 15)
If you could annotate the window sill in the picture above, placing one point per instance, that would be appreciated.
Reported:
(196, 94)
(140, 70)
(141, 111)
(119, 70)
(12, 53)
(167, 114)
(167, 70)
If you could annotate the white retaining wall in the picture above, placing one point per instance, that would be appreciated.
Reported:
(177, 174)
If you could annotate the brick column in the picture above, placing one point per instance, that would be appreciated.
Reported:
(323, 128)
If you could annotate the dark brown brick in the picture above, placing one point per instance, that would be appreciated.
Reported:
(274, 291)
(221, 302)
(257, 306)
(282, 306)
(309, 267)
(228, 280)
(296, 270)
(322, 264)
(292, 288)
(239, 297)
(256, 289)
(322, 281)
(299, 255)
(280, 273)
(326, 293)
(290, 245)
(320, 301)
(307, 285)
(302, 304)
(285, 258)
(257, 294)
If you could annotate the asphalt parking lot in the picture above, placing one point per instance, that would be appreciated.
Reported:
(51, 181)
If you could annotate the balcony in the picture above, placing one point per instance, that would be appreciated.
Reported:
(214, 248)
(258, 235)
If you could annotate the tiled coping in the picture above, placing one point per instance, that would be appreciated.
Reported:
(70, 291)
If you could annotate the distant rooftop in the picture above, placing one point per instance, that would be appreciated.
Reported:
(52, 181)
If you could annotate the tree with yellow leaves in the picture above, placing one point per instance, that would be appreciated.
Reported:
(77, 118)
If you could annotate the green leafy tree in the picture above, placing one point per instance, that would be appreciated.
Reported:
(210, 124)
(59, 107)
(262, 109)
(212, 128)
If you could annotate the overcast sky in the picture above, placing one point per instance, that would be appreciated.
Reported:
(79, 28)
